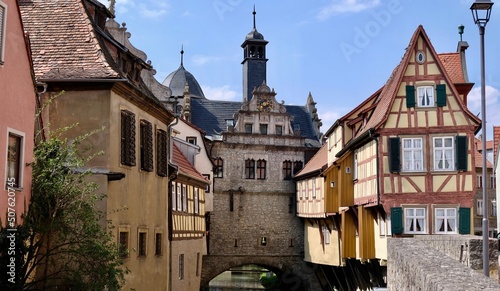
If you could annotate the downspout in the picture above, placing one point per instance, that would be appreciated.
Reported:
(169, 198)
(378, 164)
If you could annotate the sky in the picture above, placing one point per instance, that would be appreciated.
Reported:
(341, 51)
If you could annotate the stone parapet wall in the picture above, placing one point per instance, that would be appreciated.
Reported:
(415, 264)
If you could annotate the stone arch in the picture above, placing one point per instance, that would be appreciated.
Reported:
(291, 270)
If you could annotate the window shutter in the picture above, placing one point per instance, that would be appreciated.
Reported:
(461, 152)
(394, 155)
(464, 220)
(397, 220)
(441, 94)
(410, 96)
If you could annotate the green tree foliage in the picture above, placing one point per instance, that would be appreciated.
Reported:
(62, 243)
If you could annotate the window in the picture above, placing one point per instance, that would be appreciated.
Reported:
(229, 123)
(443, 153)
(413, 157)
(191, 139)
(196, 201)
(314, 188)
(287, 170)
(494, 207)
(3, 22)
(179, 197)
(207, 188)
(161, 153)
(479, 207)
(479, 181)
(123, 244)
(446, 220)
(493, 182)
(263, 129)
(218, 168)
(174, 196)
(248, 128)
(297, 166)
(14, 160)
(326, 234)
(382, 225)
(415, 220)
(279, 130)
(249, 169)
(300, 190)
(184, 198)
(355, 168)
(141, 243)
(158, 244)
(127, 138)
(261, 169)
(146, 146)
(425, 95)
(181, 266)
(307, 189)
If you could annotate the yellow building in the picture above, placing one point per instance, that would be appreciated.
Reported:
(103, 89)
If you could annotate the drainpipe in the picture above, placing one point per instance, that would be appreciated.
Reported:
(169, 191)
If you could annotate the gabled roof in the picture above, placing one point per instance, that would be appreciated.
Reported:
(185, 167)
(315, 164)
(63, 42)
(390, 89)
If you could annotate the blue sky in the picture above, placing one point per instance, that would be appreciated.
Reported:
(341, 51)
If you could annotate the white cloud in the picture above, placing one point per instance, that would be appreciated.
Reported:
(146, 8)
(474, 98)
(223, 93)
(200, 60)
(345, 6)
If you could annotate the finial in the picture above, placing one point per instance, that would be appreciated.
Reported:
(254, 16)
(461, 30)
(182, 55)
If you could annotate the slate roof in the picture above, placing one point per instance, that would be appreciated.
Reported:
(178, 79)
(211, 116)
(63, 43)
(185, 167)
(316, 163)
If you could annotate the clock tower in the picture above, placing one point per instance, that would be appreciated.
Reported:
(254, 61)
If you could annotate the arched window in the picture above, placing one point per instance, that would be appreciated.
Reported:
(287, 170)
(249, 169)
(261, 169)
(218, 167)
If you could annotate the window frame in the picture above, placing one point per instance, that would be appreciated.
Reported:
(158, 244)
(250, 169)
(263, 128)
(261, 172)
(415, 218)
(280, 131)
(161, 153)
(432, 99)
(248, 127)
(123, 250)
(445, 218)
(179, 197)
(479, 207)
(218, 168)
(142, 242)
(3, 30)
(412, 150)
(20, 156)
(287, 170)
(191, 140)
(196, 198)
(443, 148)
(174, 195)
(184, 198)
(297, 166)
(326, 234)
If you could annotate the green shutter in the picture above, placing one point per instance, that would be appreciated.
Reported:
(464, 220)
(441, 94)
(410, 96)
(461, 152)
(394, 155)
(397, 220)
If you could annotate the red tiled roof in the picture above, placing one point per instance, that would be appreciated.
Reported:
(478, 162)
(317, 162)
(453, 66)
(185, 167)
(63, 41)
(389, 91)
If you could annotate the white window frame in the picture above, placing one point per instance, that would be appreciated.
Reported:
(411, 218)
(300, 190)
(422, 93)
(442, 152)
(355, 167)
(449, 216)
(382, 225)
(184, 197)
(479, 207)
(22, 136)
(314, 188)
(196, 200)
(179, 197)
(494, 207)
(3, 31)
(412, 154)
(479, 181)
(174, 196)
(326, 234)
(307, 189)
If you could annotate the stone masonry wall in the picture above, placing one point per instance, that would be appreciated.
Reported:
(414, 264)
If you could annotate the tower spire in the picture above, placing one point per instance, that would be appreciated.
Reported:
(254, 27)
(182, 55)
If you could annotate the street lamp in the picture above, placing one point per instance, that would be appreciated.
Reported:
(481, 11)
